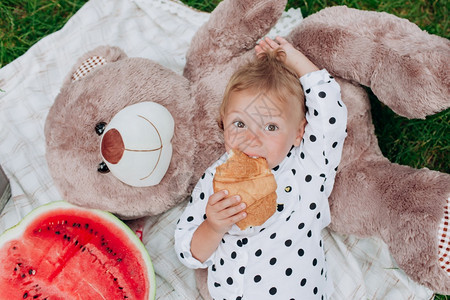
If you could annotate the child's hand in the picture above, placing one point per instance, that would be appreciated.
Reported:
(223, 211)
(294, 59)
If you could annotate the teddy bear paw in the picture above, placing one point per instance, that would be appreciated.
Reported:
(444, 239)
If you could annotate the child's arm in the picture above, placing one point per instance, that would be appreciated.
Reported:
(326, 114)
(222, 212)
(197, 236)
(325, 131)
(294, 59)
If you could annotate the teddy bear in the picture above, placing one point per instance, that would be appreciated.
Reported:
(405, 67)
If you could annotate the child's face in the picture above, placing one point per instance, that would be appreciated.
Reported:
(262, 126)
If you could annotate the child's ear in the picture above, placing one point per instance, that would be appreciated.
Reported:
(300, 132)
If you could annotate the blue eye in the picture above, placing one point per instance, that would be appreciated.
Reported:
(271, 127)
(239, 124)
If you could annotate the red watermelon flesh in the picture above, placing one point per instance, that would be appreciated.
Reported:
(61, 251)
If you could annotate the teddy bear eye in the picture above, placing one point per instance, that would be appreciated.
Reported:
(103, 168)
(100, 127)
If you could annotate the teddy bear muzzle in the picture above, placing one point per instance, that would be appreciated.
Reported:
(136, 145)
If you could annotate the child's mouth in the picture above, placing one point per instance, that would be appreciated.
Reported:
(252, 155)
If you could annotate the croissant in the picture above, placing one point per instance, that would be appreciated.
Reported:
(251, 179)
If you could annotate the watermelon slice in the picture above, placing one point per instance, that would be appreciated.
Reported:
(61, 251)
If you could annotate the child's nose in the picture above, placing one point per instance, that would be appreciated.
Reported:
(253, 138)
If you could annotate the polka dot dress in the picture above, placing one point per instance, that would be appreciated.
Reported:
(283, 258)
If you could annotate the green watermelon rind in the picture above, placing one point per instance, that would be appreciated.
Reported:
(18, 229)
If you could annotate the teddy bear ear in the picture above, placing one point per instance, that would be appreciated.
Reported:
(87, 66)
(93, 59)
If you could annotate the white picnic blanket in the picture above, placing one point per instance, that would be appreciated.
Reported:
(159, 30)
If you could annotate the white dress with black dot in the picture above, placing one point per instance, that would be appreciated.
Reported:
(284, 257)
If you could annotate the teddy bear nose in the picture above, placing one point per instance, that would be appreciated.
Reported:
(112, 147)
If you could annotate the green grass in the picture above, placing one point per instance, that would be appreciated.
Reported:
(417, 143)
(24, 22)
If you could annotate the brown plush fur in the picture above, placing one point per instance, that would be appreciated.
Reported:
(73, 145)
(405, 67)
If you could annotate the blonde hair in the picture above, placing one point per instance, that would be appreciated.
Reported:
(265, 74)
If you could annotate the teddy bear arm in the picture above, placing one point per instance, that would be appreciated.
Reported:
(401, 205)
(404, 66)
(232, 29)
